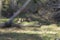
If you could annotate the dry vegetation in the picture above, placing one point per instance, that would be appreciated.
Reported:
(45, 32)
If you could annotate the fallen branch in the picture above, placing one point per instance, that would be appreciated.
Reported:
(10, 22)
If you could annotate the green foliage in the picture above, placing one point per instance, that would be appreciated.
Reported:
(31, 11)
(43, 1)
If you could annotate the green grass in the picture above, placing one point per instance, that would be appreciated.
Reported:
(45, 32)
(3, 20)
(19, 36)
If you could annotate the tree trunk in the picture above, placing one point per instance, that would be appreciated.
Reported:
(0, 8)
(13, 4)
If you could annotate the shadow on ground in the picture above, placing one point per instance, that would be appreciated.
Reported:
(19, 36)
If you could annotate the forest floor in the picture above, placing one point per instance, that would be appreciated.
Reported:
(45, 32)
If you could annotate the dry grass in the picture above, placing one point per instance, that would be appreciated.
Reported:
(45, 32)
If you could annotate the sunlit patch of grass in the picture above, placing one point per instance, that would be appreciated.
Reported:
(47, 32)
(14, 36)
(49, 27)
(3, 20)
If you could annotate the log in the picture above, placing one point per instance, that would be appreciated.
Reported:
(10, 22)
